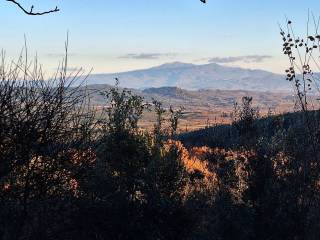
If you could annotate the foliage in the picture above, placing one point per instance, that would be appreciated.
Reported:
(68, 173)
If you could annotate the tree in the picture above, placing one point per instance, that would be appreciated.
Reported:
(45, 130)
(31, 12)
(56, 9)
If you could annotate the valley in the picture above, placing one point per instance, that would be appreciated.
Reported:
(202, 107)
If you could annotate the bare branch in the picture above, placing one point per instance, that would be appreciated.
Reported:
(31, 10)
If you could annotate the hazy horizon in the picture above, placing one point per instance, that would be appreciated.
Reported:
(118, 36)
(178, 62)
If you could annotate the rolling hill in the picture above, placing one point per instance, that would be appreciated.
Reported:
(202, 106)
(199, 98)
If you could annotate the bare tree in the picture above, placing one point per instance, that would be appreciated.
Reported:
(45, 130)
(56, 9)
(31, 12)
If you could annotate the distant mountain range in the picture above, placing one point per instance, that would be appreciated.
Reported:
(195, 77)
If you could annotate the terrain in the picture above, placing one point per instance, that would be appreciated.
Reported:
(195, 77)
(203, 107)
(207, 93)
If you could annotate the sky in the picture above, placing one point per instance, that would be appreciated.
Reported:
(120, 35)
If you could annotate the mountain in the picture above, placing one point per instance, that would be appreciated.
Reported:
(194, 77)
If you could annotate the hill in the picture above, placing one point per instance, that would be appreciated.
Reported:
(202, 107)
(200, 98)
(227, 135)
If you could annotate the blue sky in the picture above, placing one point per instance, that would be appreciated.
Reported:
(119, 35)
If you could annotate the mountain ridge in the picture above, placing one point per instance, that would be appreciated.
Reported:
(194, 77)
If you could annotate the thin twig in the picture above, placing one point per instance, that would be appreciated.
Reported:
(31, 10)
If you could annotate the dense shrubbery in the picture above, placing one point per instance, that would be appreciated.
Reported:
(279, 174)
(67, 173)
